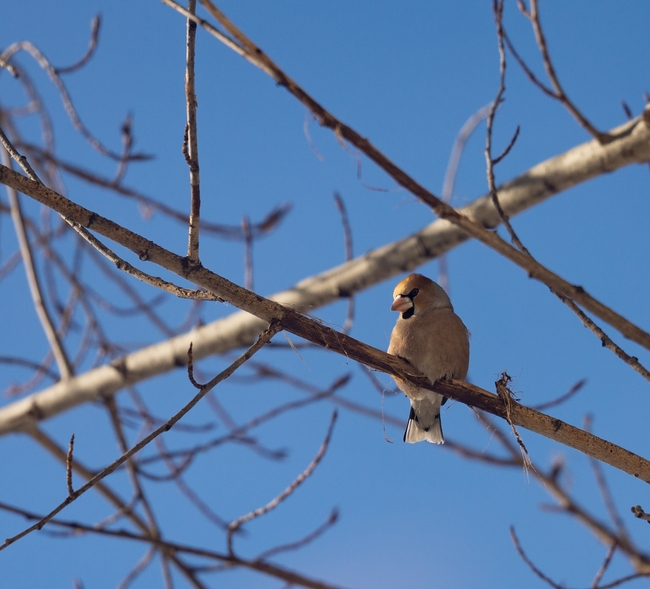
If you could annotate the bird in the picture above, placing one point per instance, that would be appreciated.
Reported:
(431, 337)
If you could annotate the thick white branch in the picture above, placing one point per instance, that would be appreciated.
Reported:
(559, 173)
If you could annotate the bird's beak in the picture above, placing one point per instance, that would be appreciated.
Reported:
(401, 303)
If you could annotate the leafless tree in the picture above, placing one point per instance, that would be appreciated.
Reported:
(85, 273)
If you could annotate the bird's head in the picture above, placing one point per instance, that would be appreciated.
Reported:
(417, 294)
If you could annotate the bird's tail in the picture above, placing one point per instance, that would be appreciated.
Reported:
(416, 433)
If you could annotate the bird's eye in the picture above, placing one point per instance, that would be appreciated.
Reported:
(413, 293)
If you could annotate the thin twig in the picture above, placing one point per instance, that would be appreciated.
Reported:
(56, 345)
(605, 340)
(150, 205)
(562, 398)
(44, 63)
(68, 466)
(531, 565)
(123, 265)
(236, 524)
(124, 509)
(264, 338)
(190, 368)
(308, 539)
(279, 572)
(533, 16)
(603, 567)
(349, 255)
(138, 569)
(508, 397)
(95, 25)
(450, 177)
(248, 252)
(490, 160)
(192, 144)
(638, 512)
(127, 144)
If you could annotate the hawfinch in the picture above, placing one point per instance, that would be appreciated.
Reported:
(434, 340)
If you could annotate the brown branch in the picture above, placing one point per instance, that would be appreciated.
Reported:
(139, 568)
(95, 25)
(192, 143)
(190, 368)
(531, 565)
(606, 494)
(127, 144)
(550, 482)
(443, 210)
(638, 512)
(193, 497)
(533, 16)
(132, 472)
(35, 288)
(44, 63)
(605, 340)
(261, 341)
(603, 567)
(308, 539)
(562, 398)
(317, 333)
(68, 466)
(349, 255)
(301, 478)
(123, 509)
(490, 160)
(267, 224)
(248, 252)
(120, 264)
(260, 566)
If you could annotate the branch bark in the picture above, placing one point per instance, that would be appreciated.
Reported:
(312, 330)
(540, 182)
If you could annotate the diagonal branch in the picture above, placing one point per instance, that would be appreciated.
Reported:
(312, 330)
(547, 178)
(262, 340)
(469, 226)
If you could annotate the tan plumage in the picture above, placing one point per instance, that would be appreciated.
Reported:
(435, 341)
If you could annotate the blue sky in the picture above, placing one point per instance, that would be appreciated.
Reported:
(406, 76)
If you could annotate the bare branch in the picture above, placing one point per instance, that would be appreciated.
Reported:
(531, 565)
(248, 252)
(254, 565)
(56, 345)
(443, 210)
(95, 25)
(192, 144)
(44, 63)
(68, 467)
(349, 255)
(562, 398)
(603, 567)
(533, 16)
(323, 336)
(543, 180)
(308, 539)
(605, 340)
(262, 340)
(236, 524)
